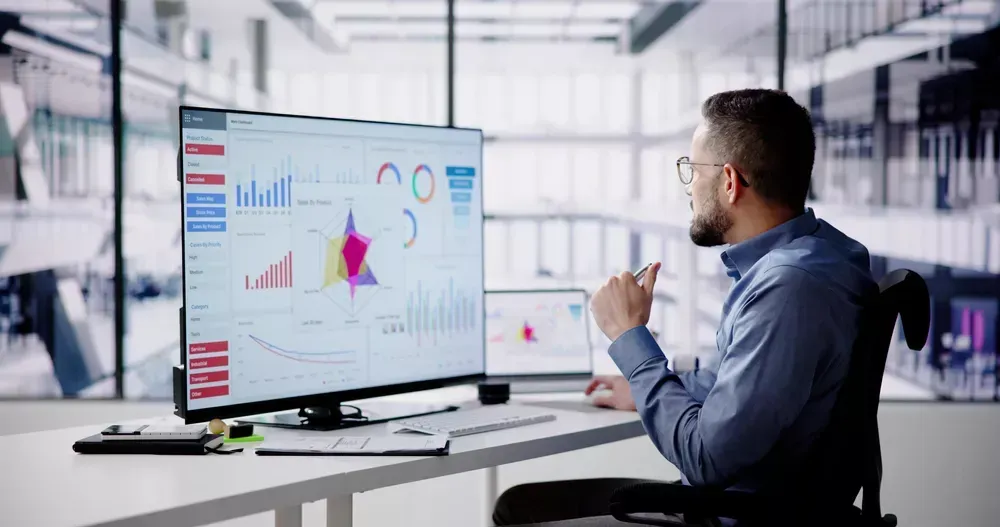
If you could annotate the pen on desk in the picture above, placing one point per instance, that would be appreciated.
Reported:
(642, 273)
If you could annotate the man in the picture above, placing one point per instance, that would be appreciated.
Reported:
(788, 322)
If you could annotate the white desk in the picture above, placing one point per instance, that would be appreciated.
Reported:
(44, 483)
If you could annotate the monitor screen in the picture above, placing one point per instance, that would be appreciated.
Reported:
(537, 333)
(326, 255)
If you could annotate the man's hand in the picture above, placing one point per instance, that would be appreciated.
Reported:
(622, 304)
(621, 394)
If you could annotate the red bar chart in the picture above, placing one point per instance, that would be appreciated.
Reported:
(278, 275)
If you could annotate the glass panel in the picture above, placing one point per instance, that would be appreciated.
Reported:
(588, 180)
(151, 239)
(151, 223)
(495, 250)
(587, 102)
(554, 102)
(57, 304)
(586, 249)
(524, 102)
(617, 256)
(303, 91)
(555, 248)
(337, 91)
(656, 174)
(653, 108)
(618, 102)
(467, 107)
(651, 248)
(494, 103)
(526, 262)
(554, 174)
(618, 171)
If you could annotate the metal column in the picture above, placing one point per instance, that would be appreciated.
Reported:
(881, 136)
(259, 55)
(782, 41)
(450, 81)
(117, 158)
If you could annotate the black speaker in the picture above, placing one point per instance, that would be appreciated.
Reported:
(493, 392)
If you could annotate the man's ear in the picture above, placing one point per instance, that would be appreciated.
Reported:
(734, 190)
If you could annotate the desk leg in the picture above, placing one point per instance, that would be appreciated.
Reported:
(340, 511)
(288, 516)
(492, 478)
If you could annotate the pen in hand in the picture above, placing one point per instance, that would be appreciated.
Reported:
(641, 273)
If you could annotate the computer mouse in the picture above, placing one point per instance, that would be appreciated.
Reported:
(599, 395)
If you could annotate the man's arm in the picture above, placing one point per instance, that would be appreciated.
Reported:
(698, 383)
(763, 381)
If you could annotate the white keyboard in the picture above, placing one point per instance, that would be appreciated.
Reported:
(475, 420)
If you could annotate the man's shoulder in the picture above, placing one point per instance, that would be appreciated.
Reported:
(828, 259)
(786, 271)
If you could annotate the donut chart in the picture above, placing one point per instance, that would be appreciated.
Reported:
(413, 221)
(423, 169)
(390, 168)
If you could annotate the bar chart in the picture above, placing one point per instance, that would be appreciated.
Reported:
(434, 316)
(278, 275)
(272, 193)
(339, 177)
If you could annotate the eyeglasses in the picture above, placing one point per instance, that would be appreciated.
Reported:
(685, 171)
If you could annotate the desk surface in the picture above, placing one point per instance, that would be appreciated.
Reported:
(43, 482)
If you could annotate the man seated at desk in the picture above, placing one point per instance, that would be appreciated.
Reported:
(788, 322)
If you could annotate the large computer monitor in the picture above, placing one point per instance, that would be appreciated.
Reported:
(326, 260)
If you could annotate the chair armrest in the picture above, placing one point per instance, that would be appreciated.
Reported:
(703, 506)
(696, 504)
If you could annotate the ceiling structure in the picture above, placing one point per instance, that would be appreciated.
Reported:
(719, 35)
(487, 20)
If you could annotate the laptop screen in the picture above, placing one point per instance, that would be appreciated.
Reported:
(537, 333)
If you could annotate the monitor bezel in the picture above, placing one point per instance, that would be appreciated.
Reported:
(326, 399)
(541, 375)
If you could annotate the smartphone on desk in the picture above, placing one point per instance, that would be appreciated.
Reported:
(124, 430)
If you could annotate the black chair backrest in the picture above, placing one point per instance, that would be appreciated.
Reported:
(848, 457)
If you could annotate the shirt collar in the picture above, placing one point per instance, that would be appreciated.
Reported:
(740, 257)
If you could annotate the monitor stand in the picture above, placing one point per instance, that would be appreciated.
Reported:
(337, 416)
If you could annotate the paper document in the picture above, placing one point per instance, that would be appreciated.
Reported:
(348, 445)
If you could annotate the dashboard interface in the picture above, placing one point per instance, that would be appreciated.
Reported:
(323, 255)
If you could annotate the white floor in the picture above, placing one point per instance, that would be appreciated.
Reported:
(896, 388)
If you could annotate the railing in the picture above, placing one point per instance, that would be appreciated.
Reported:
(819, 27)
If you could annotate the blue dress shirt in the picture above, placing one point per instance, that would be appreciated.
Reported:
(788, 326)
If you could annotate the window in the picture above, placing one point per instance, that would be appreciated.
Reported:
(587, 102)
(555, 248)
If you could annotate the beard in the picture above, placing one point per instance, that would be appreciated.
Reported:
(709, 228)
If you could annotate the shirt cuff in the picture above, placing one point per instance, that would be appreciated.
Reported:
(633, 348)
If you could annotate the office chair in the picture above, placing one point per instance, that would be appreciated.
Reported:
(846, 458)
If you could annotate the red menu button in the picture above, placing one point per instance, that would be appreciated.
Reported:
(211, 391)
(205, 150)
(209, 362)
(207, 377)
(208, 347)
(206, 179)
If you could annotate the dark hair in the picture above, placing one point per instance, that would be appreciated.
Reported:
(769, 137)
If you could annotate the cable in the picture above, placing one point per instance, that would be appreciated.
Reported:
(218, 450)
(357, 415)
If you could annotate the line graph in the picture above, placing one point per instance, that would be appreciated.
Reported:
(301, 356)
(278, 354)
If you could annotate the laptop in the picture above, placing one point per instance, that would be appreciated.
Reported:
(539, 340)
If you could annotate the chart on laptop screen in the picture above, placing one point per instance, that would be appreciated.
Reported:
(539, 332)
(325, 255)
